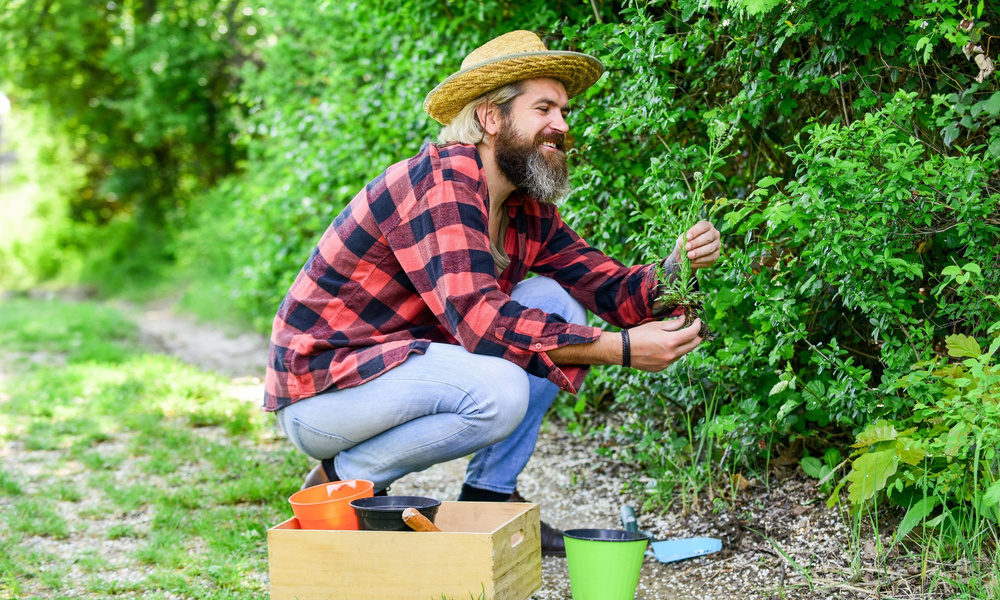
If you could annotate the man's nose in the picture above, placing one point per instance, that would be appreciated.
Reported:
(558, 123)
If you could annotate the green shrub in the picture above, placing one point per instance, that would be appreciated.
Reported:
(841, 266)
(145, 96)
(37, 245)
(942, 458)
(847, 194)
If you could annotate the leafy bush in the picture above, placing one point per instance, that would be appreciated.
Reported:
(842, 264)
(846, 196)
(942, 457)
(40, 247)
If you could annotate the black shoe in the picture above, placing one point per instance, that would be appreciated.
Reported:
(553, 543)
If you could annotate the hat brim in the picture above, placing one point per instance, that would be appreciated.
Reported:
(575, 70)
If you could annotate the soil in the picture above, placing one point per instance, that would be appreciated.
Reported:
(779, 539)
(696, 311)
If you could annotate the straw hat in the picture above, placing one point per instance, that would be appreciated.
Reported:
(513, 56)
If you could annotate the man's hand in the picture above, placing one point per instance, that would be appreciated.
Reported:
(702, 244)
(653, 346)
(658, 344)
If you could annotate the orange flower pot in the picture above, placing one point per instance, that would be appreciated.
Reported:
(328, 505)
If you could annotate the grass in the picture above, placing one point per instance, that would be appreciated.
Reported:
(137, 474)
(929, 564)
(127, 474)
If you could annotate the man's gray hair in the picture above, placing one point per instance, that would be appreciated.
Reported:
(466, 127)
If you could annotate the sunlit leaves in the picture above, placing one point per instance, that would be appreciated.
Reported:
(961, 346)
(910, 451)
(870, 473)
(880, 431)
(946, 449)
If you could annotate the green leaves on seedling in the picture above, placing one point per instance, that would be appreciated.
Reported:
(872, 469)
(812, 467)
(880, 431)
(992, 495)
(910, 452)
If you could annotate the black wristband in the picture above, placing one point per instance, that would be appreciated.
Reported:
(626, 350)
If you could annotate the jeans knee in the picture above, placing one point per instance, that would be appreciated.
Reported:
(546, 294)
(573, 311)
(501, 398)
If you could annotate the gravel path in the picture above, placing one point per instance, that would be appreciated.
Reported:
(771, 535)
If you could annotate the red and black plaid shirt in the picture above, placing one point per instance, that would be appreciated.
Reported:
(408, 263)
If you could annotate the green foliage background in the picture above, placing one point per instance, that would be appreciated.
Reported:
(221, 138)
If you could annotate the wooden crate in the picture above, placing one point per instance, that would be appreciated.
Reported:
(491, 547)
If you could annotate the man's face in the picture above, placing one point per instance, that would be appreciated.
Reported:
(530, 146)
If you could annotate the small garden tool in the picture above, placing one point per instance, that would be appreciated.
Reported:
(667, 551)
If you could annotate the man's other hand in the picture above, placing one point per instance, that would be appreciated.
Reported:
(702, 244)
(658, 344)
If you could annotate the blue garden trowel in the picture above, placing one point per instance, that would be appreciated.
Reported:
(667, 551)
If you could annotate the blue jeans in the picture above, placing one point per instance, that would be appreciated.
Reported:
(436, 407)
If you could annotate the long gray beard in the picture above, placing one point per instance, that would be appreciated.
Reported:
(542, 181)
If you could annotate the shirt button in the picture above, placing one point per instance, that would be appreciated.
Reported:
(538, 346)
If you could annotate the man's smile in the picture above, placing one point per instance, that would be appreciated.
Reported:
(553, 142)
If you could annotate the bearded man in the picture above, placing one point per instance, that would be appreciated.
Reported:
(412, 336)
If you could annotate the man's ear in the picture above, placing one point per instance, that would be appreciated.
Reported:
(488, 116)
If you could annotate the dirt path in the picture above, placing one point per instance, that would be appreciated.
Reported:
(578, 488)
(241, 356)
